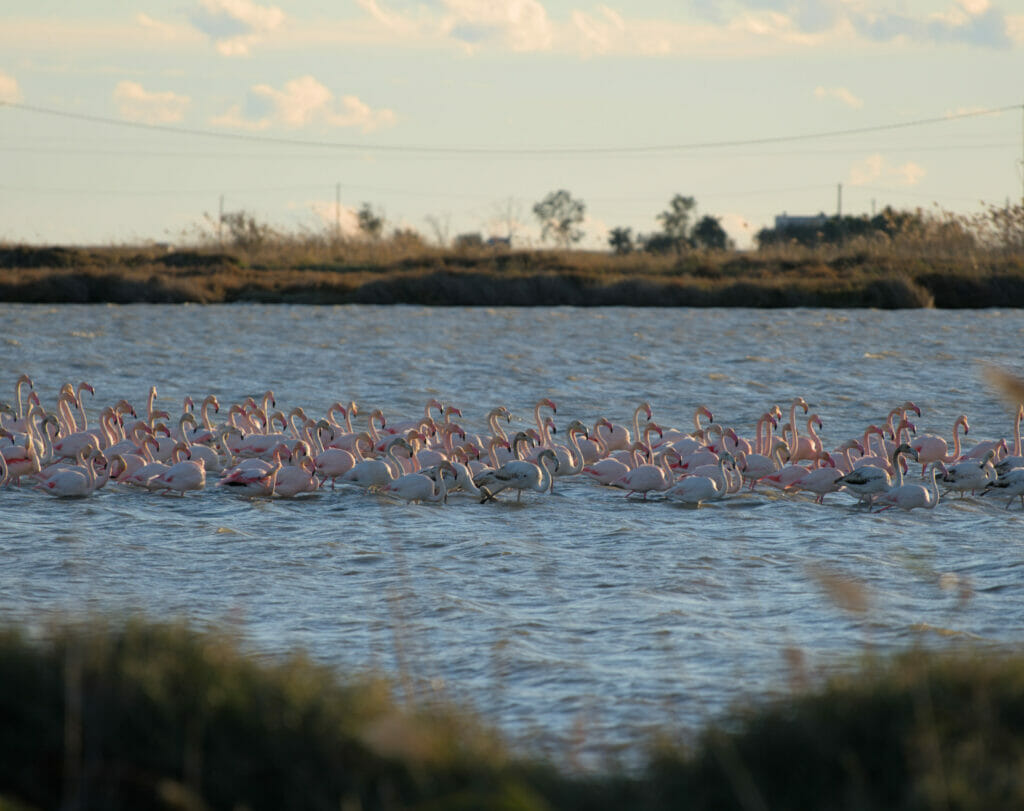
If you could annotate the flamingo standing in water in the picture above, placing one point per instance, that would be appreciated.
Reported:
(519, 475)
(932, 448)
(911, 496)
(413, 487)
(867, 481)
(650, 477)
(181, 477)
(1009, 484)
(618, 438)
(696, 489)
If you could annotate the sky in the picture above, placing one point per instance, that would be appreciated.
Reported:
(130, 122)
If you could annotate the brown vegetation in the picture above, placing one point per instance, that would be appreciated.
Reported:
(135, 715)
(945, 265)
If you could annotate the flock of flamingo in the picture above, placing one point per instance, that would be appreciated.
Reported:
(259, 451)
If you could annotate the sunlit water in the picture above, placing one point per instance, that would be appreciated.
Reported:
(579, 621)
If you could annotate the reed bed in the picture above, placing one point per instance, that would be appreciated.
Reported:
(110, 715)
(938, 261)
(515, 279)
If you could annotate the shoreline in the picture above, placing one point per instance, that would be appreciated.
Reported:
(54, 275)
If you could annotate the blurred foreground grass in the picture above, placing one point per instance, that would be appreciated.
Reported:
(133, 715)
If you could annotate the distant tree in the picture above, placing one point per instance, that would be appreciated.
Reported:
(441, 226)
(560, 216)
(658, 243)
(708, 233)
(675, 221)
(408, 239)
(621, 240)
(242, 230)
(370, 222)
(470, 240)
(507, 215)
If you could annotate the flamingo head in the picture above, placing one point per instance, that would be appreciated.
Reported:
(83, 386)
(962, 420)
(549, 403)
(453, 411)
(707, 413)
(578, 427)
(646, 408)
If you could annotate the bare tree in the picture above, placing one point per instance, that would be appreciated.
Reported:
(441, 226)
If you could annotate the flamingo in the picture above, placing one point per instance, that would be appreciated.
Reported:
(648, 478)
(760, 465)
(821, 481)
(808, 447)
(911, 496)
(970, 474)
(696, 489)
(375, 473)
(610, 469)
(294, 479)
(1011, 484)
(519, 475)
(932, 448)
(1015, 459)
(868, 481)
(80, 480)
(618, 437)
(181, 477)
(419, 486)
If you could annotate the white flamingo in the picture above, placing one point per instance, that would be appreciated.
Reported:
(519, 475)
(911, 496)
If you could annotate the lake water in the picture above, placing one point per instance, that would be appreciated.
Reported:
(578, 621)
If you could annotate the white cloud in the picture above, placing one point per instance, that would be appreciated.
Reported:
(163, 30)
(235, 25)
(877, 168)
(135, 103)
(330, 215)
(521, 25)
(9, 90)
(304, 102)
(599, 33)
(839, 93)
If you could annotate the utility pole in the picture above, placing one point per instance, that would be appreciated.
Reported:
(337, 212)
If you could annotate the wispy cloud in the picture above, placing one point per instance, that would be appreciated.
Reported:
(875, 168)
(235, 25)
(303, 102)
(969, 22)
(135, 103)
(520, 25)
(840, 94)
(9, 90)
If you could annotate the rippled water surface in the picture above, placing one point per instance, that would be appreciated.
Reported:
(575, 621)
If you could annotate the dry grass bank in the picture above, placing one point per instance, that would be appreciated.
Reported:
(321, 273)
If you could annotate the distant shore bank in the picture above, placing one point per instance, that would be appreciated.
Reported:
(805, 278)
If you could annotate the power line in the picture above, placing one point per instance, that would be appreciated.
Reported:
(497, 151)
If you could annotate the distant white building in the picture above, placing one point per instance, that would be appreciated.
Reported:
(784, 221)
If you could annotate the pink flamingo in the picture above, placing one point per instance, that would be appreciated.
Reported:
(618, 436)
(648, 478)
(931, 448)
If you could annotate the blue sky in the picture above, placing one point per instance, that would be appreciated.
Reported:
(128, 122)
